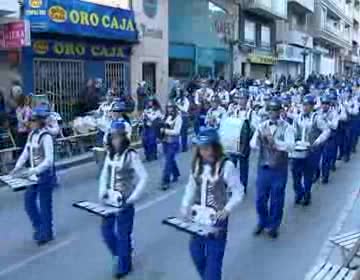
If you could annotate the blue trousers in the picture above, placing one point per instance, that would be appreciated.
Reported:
(184, 133)
(149, 141)
(199, 122)
(38, 206)
(340, 140)
(171, 169)
(270, 196)
(328, 160)
(303, 171)
(99, 138)
(208, 254)
(348, 139)
(116, 232)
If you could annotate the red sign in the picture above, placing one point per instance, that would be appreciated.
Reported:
(15, 35)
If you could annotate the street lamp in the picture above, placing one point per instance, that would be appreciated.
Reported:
(305, 54)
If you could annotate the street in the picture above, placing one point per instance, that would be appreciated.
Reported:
(161, 253)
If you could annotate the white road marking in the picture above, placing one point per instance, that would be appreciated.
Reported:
(19, 265)
(14, 267)
(327, 248)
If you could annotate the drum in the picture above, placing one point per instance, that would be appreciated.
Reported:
(17, 184)
(191, 227)
(203, 215)
(97, 208)
(301, 150)
(99, 154)
(230, 132)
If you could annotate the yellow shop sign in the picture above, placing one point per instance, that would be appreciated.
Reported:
(262, 59)
(77, 50)
(90, 19)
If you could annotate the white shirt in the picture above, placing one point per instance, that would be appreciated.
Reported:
(175, 131)
(286, 145)
(183, 105)
(48, 145)
(233, 183)
(140, 171)
(203, 94)
(214, 116)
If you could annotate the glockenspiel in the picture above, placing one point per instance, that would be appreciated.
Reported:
(97, 208)
(15, 183)
(191, 227)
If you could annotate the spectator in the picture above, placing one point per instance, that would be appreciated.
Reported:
(89, 100)
(141, 96)
(23, 116)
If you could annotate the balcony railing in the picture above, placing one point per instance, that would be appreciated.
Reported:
(269, 8)
(307, 4)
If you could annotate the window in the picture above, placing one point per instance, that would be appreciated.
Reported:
(123, 4)
(265, 36)
(181, 68)
(250, 32)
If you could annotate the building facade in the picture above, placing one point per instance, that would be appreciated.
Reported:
(200, 34)
(332, 24)
(73, 43)
(294, 40)
(256, 55)
(150, 58)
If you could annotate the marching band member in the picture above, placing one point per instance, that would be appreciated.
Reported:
(311, 131)
(122, 182)
(171, 134)
(212, 173)
(274, 138)
(183, 104)
(241, 111)
(118, 110)
(104, 113)
(151, 116)
(263, 112)
(352, 108)
(329, 155)
(201, 100)
(340, 132)
(215, 113)
(39, 152)
(224, 96)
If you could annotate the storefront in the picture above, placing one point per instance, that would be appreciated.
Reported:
(290, 60)
(197, 33)
(261, 66)
(74, 43)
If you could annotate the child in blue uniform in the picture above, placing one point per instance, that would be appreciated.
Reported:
(214, 175)
(122, 182)
(39, 153)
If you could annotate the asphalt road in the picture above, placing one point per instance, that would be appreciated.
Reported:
(161, 253)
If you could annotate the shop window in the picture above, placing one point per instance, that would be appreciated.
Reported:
(181, 68)
(219, 69)
(205, 71)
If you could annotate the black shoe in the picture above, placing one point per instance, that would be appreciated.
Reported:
(121, 275)
(44, 241)
(165, 186)
(273, 234)
(333, 168)
(175, 179)
(298, 200)
(307, 200)
(325, 181)
(258, 230)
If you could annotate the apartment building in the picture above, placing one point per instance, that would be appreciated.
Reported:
(352, 59)
(332, 24)
(256, 55)
(294, 40)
